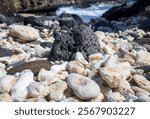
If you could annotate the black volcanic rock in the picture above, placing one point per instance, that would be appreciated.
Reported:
(86, 41)
(121, 11)
(74, 16)
(80, 39)
(69, 20)
(33, 21)
(100, 22)
(63, 47)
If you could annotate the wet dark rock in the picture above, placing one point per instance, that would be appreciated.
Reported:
(145, 25)
(67, 21)
(33, 21)
(5, 52)
(80, 39)
(121, 11)
(34, 66)
(101, 22)
(74, 16)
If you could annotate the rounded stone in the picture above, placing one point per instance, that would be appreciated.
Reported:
(6, 83)
(19, 91)
(83, 87)
(23, 33)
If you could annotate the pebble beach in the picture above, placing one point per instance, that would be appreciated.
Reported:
(118, 69)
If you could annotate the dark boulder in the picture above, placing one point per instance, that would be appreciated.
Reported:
(143, 3)
(69, 20)
(86, 41)
(80, 39)
(145, 25)
(100, 22)
(63, 47)
(33, 21)
(121, 11)
(74, 16)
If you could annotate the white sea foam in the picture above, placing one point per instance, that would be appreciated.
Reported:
(88, 13)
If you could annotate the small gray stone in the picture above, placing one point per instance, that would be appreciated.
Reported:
(23, 33)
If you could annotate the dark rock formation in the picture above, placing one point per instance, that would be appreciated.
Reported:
(69, 20)
(33, 21)
(74, 16)
(126, 10)
(121, 11)
(145, 25)
(34, 66)
(80, 39)
(143, 3)
(7, 6)
(63, 47)
(86, 41)
(100, 22)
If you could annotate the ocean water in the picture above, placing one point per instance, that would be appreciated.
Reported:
(88, 13)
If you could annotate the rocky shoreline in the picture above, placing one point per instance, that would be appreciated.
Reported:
(65, 60)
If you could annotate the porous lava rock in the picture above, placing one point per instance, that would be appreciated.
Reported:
(80, 39)
(63, 47)
(86, 40)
